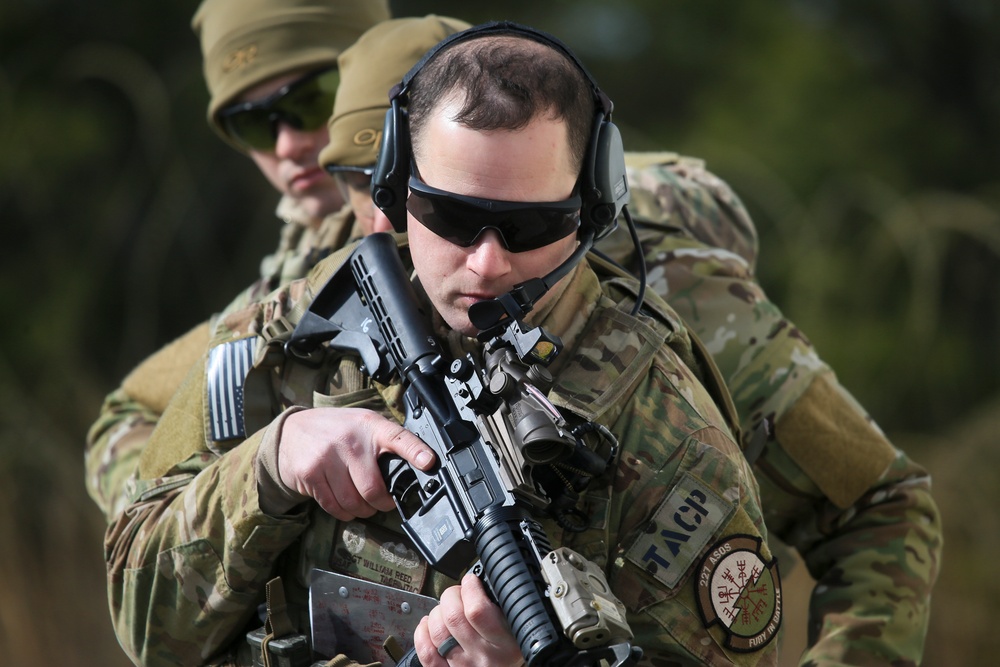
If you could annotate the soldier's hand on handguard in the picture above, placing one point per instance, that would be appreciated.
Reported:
(468, 629)
(331, 455)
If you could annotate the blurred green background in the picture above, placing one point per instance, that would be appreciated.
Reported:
(863, 136)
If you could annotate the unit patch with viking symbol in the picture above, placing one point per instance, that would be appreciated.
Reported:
(741, 592)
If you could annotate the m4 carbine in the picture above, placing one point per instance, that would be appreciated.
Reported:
(498, 441)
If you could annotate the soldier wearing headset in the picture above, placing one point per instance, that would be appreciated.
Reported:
(501, 162)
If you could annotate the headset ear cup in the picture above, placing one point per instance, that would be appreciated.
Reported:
(609, 180)
(392, 168)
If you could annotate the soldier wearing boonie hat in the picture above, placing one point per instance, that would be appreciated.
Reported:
(368, 69)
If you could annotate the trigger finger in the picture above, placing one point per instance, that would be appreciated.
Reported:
(408, 446)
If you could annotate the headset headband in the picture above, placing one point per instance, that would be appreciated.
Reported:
(505, 28)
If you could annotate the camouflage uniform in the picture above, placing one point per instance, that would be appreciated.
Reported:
(691, 219)
(858, 510)
(189, 558)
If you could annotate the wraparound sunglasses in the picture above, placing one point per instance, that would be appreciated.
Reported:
(461, 220)
(304, 104)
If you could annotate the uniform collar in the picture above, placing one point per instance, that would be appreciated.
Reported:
(564, 315)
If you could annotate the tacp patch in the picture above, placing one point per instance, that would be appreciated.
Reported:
(740, 592)
(681, 527)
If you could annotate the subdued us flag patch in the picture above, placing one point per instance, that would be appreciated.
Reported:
(228, 365)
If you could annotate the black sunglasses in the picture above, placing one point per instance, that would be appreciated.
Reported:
(304, 104)
(462, 220)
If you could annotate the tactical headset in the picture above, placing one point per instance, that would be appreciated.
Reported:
(602, 183)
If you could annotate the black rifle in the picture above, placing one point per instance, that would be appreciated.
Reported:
(498, 440)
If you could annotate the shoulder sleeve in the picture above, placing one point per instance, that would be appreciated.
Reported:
(693, 566)
(862, 516)
(114, 443)
(680, 192)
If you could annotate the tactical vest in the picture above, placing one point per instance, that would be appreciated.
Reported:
(612, 355)
(622, 287)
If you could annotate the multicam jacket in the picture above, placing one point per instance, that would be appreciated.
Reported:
(701, 248)
(675, 523)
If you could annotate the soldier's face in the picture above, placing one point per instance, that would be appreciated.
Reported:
(358, 190)
(293, 166)
(530, 165)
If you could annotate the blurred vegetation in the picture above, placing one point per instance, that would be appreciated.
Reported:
(863, 136)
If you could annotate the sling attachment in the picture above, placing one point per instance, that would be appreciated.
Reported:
(277, 644)
(393, 648)
(278, 624)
